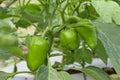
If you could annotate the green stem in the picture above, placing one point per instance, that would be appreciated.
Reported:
(26, 5)
(23, 3)
(41, 2)
(28, 21)
(19, 3)
(84, 75)
(62, 1)
(45, 32)
(50, 40)
(63, 11)
(62, 16)
(83, 63)
(15, 67)
(60, 28)
(47, 13)
(35, 76)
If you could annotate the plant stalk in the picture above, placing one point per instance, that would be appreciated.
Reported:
(84, 75)
(45, 32)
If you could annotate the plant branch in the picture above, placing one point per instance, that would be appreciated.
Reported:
(63, 11)
(41, 2)
(59, 29)
(26, 5)
(45, 32)
(23, 3)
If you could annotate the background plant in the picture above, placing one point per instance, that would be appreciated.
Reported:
(96, 23)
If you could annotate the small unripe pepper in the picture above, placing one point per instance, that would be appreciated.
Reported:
(69, 38)
(37, 53)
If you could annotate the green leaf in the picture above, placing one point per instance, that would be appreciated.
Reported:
(64, 75)
(69, 58)
(100, 52)
(88, 32)
(2, 13)
(109, 36)
(6, 53)
(83, 54)
(45, 73)
(28, 41)
(108, 10)
(42, 73)
(29, 15)
(54, 75)
(23, 22)
(28, 19)
(72, 19)
(89, 12)
(33, 8)
(117, 1)
(100, 72)
(1, 1)
(5, 76)
(7, 40)
(32, 17)
(95, 72)
(5, 27)
(42, 25)
(16, 51)
(90, 72)
(9, 46)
